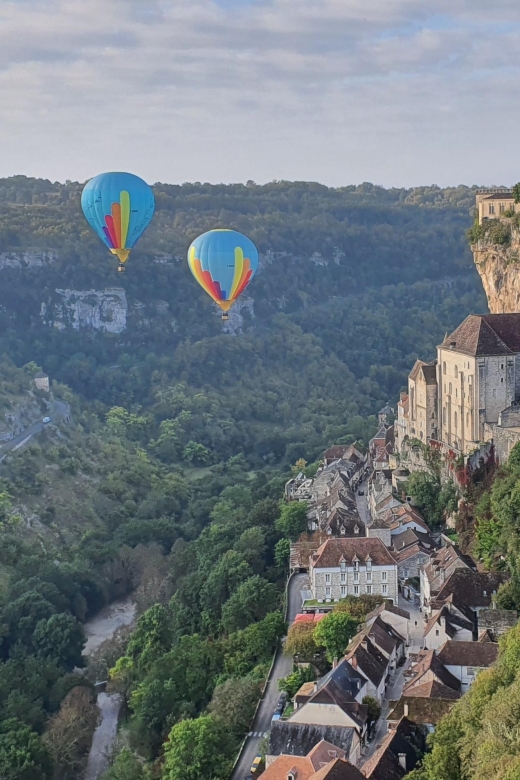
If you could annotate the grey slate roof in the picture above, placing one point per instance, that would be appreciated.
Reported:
(297, 739)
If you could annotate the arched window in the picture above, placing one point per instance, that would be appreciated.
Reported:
(450, 388)
(456, 371)
(444, 367)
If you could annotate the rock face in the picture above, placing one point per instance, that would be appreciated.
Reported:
(499, 269)
(236, 318)
(26, 259)
(104, 310)
(22, 413)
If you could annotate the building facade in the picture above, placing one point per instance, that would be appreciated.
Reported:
(353, 567)
(422, 395)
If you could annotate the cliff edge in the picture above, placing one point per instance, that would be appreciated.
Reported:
(496, 252)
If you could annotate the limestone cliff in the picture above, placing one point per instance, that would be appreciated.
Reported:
(499, 269)
(104, 310)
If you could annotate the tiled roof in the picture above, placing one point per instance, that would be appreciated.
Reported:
(442, 564)
(434, 689)
(333, 695)
(346, 677)
(488, 334)
(300, 766)
(333, 551)
(421, 710)
(297, 739)
(383, 636)
(412, 536)
(472, 588)
(364, 656)
(339, 769)
(384, 764)
(386, 606)
(324, 752)
(409, 552)
(428, 664)
(336, 452)
(453, 622)
(479, 654)
(305, 691)
(428, 370)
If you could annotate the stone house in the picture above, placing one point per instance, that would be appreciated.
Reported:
(353, 567)
(464, 660)
(410, 558)
(474, 590)
(401, 424)
(440, 567)
(324, 762)
(496, 621)
(394, 616)
(397, 754)
(342, 522)
(444, 625)
(429, 677)
(425, 711)
(493, 203)
(366, 658)
(380, 530)
(41, 381)
(390, 643)
(422, 393)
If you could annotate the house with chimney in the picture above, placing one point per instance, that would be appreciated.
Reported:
(324, 762)
(288, 738)
(464, 660)
(397, 754)
(440, 567)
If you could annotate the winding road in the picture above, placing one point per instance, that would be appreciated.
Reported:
(282, 667)
(60, 410)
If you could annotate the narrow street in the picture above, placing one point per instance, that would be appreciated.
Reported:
(362, 505)
(282, 667)
(393, 693)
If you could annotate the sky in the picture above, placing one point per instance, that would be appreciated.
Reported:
(395, 92)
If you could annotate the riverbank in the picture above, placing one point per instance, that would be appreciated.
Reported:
(102, 627)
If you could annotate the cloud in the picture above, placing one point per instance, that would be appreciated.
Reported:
(339, 91)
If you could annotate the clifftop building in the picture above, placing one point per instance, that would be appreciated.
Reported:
(474, 380)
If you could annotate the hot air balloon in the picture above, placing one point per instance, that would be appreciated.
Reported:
(223, 262)
(119, 207)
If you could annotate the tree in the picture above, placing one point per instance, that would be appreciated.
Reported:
(299, 466)
(516, 193)
(250, 602)
(334, 633)
(294, 681)
(301, 642)
(198, 748)
(234, 702)
(22, 754)
(281, 553)
(126, 766)
(196, 453)
(293, 519)
(60, 637)
(425, 489)
(68, 736)
(374, 710)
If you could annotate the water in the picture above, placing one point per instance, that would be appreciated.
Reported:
(102, 627)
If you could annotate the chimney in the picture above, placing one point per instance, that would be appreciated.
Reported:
(406, 710)
(315, 687)
(453, 344)
(402, 760)
(402, 396)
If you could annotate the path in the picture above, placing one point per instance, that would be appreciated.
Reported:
(100, 628)
(60, 410)
(393, 693)
(362, 505)
(282, 667)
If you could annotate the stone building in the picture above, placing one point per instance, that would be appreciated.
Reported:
(41, 381)
(353, 567)
(422, 394)
(493, 203)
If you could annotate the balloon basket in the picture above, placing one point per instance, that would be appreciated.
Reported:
(225, 316)
(121, 268)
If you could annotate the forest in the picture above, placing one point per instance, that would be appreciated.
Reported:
(168, 482)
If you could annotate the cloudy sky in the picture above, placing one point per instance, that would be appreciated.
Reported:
(397, 92)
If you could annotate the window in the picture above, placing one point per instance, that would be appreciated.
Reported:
(491, 208)
(456, 371)
(385, 590)
(343, 566)
(343, 577)
(356, 590)
(455, 419)
(369, 589)
(436, 632)
(356, 576)
(356, 565)
(327, 593)
(343, 590)
(502, 208)
(502, 381)
(494, 393)
(444, 415)
(456, 392)
(369, 565)
(502, 365)
(444, 368)
(384, 575)
(369, 576)
(327, 578)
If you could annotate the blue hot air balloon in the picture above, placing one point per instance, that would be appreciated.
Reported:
(223, 262)
(119, 207)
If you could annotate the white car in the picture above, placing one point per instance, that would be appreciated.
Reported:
(46, 419)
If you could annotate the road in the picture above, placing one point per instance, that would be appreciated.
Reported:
(282, 667)
(60, 410)
(362, 505)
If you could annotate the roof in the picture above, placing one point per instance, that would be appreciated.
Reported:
(300, 766)
(297, 739)
(434, 689)
(338, 769)
(364, 656)
(500, 196)
(420, 710)
(334, 695)
(384, 764)
(336, 452)
(480, 654)
(343, 522)
(40, 375)
(309, 617)
(386, 606)
(333, 551)
(409, 552)
(305, 691)
(442, 564)
(410, 537)
(488, 334)
(452, 621)
(427, 370)
(472, 588)
(346, 677)
(384, 636)
(430, 664)
(324, 752)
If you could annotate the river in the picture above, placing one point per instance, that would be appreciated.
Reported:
(102, 627)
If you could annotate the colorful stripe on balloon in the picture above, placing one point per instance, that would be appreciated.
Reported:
(243, 273)
(116, 223)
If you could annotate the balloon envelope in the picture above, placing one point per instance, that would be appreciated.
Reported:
(118, 206)
(223, 262)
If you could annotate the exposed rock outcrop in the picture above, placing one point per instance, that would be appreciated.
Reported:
(499, 269)
(26, 259)
(104, 310)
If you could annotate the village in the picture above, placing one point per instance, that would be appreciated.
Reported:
(436, 623)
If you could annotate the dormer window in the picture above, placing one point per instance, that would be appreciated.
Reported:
(356, 529)
(369, 564)
(343, 565)
(356, 564)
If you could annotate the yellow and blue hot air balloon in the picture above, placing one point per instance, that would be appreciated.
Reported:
(223, 262)
(118, 207)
